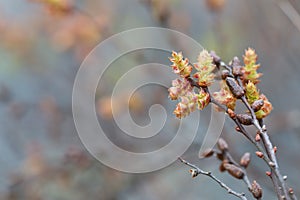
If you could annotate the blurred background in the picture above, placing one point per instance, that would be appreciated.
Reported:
(43, 43)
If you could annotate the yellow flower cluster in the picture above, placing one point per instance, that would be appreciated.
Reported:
(250, 68)
(204, 68)
(180, 65)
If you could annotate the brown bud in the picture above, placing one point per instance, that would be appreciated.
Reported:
(291, 190)
(220, 156)
(275, 149)
(245, 160)
(234, 87)
(234, 171)
(257, 138)
(224, 74)
(221, 167)
(256, 190)
(244, 119)
(257, 105)
(237, 129)
(194, 173)
(231, 113)
(236, 67)
(222, 144)
(268, 173)
(259, 154)
(216, 58)
(208, 153)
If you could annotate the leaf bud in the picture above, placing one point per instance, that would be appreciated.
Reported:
(222, 144)
(244, 119)
(234, 171)
(245, 160)
(234, 87)
(236, 67)
(257, 105)
(259, 154)
(256, 190)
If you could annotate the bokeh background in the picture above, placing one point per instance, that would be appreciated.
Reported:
(42, 44)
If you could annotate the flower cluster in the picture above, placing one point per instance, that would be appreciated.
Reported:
(224, 96)
(183, 89)
(180, 65)
(238, 82)
(189, 100)
(204, 67)
(250, 68)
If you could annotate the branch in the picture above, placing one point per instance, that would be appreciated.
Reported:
(267, 144)
(209, 174)
(269, 148)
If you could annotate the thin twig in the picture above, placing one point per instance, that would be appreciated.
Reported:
(271, 162)
(269, 148)
(268, 161)
(209, 174)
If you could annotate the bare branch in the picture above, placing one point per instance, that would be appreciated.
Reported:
(209, 174)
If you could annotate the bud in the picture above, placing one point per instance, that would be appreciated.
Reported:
(236, 67)
(234, 171)
(266, 108)
(256, 106)
(291, 191)
(259, 154)
(256, 190)
(216, 58)
(275, 149)
(244, 119)
(221, 167)
(220, 156)
(234, 87)
(257, 137)
(208, 153)
(231, 113)
(194, 173)
(268, 173)
(222, 144)
(245, 160)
